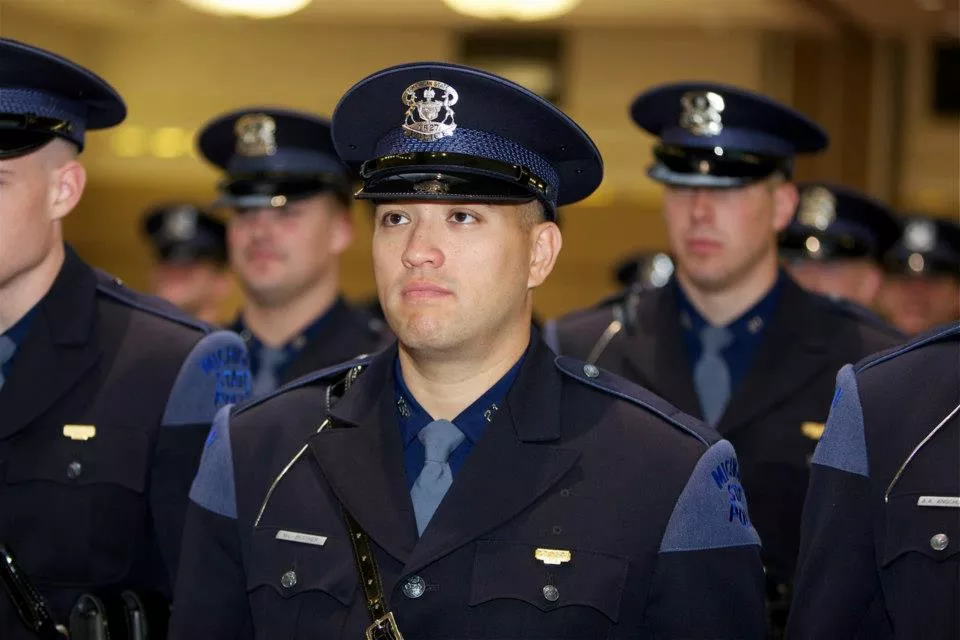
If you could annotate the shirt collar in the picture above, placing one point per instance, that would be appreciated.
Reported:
(749, 324)
(471, 421)
(18, 332)
(295, 344)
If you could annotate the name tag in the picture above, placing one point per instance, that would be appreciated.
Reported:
(552, 556)
(303, 538)
(939, 501)
(79, 431)
(813, 430)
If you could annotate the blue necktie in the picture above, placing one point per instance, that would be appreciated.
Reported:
(268, 373)
(439, 439)
(711, 376)
(7, 347)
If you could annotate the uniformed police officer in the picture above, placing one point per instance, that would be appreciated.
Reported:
(484, 488)
(836, 241)
(733, 339)
(190, 248)
(922, 287)
(880, 552)
(104, 393)
(289, 201)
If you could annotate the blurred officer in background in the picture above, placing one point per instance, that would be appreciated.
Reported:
(190, 251)
(880, 552)
(466, 483)
(836, 241)
(732, 338)
(105, 394)
(922, 287)
(647, 270)
(289, 200)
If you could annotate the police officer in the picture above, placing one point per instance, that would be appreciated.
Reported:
(289, 201)
(836, 241)
(484, 490)
(880, 554)
(922, 287)
(732, 339)
(104, 393)
(190, 248)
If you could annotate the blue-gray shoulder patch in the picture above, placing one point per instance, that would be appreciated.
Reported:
(114, 288)
(215, 373)
(843, 445)
(311, 378)
(934, 335)
(711, 512)
(213, 487)
(626, 390)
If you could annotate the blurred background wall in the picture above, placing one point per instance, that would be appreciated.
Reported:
(865, 69)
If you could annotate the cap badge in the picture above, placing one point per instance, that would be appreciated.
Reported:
(180, 224)
(920, 236)
(256, 135)
(429, 115)
(818, 208)
(701, 113)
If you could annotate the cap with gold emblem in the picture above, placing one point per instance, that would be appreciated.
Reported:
(927, 245)
(184, 232)
(440, 131)
(833, 222)
(272, 156)
(715, 135)
(44, 96)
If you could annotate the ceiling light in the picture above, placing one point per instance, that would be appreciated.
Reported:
(249, 8)
(525, 10)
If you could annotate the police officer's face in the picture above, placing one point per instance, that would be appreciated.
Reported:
(453, 276)
(720, 236)
(856, 280)
(198, 287)
(36, 191)
(278, 254)
(915, 304)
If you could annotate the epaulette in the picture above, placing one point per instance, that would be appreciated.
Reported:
(331, 376)
(853, 310)
(614, 385)
(932, 336)
(114, 288)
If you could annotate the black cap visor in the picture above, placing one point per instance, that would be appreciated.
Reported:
(22, 134)
(715, 167)
(258, 191)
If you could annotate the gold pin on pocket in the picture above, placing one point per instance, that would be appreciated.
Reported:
(813, 430)
(553, 556)
(79, 431)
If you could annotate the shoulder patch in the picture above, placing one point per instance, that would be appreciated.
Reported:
(113, 287)
(323, 375)
(614, 385)
(215, 373)
(843, 445)
(711, 512)
(214, 487)
(935, 335)
(861, 314)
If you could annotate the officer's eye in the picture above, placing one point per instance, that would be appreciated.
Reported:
(463, 217)
(393, 219)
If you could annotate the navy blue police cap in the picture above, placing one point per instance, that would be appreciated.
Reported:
(447, 132)
(927, 245)
(44, 96)
(650, 270)
(184, 232)
(715, 135)
(272, 156)
(833, 222)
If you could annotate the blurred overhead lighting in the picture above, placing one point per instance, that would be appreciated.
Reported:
(525, 10)
(249, 8)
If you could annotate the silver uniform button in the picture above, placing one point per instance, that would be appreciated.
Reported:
(414, 587)
(288, 580)
(551, 593)
(74, 469)
(590, 371)
(939, 542)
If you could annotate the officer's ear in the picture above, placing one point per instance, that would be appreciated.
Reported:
(546, 241)
(67, 178)
(785, 199)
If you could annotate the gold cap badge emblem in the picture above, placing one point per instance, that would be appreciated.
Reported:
(256, 135)
(429, 116)
(702, 112)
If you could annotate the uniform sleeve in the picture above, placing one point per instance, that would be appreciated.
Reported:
(214, 374)
(837, 580)
(709, 579)
(210, 599)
